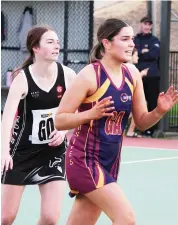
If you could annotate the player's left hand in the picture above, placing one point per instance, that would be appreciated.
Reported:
(167, 100)
(56, 138)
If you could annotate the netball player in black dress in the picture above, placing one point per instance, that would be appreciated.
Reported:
(34, 152)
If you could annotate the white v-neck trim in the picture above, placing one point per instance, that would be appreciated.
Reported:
(38, 84)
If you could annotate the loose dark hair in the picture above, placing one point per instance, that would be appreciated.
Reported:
(107, 30)
(33, 40)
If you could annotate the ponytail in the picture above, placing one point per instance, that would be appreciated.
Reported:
(96, 53)
(27, 62)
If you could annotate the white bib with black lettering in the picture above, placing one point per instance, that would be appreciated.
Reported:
(43, 125)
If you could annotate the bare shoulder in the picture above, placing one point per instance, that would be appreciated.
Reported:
(87, 74)
(85, 80)
(19, 83)
(133, 71)
(20, 78)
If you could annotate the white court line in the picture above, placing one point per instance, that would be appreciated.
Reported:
(150, 148)
(149, 160)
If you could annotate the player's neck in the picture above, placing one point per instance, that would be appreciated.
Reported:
(112, 65)
(44, 69)
(130, 61)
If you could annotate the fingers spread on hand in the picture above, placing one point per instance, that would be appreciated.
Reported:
(55, 137)
(106, 108)
(105, 100)
(52, 133)
(161, 94)
(109, 109)
(175, 99)
(57, 142)
(174, 94)
(105, 105)
(109, 114)
(170, 90)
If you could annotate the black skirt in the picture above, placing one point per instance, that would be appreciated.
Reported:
(37, 167)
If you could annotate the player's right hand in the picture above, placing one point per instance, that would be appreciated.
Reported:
(6, 162)
(102, 108)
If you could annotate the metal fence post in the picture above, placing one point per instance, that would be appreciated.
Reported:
(149, 8)
(66, 24)
(164, 54)
(90, 36)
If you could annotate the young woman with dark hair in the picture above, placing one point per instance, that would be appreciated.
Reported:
(104, 92)
(35, 151)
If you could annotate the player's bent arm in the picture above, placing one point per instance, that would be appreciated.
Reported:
(69, 76)
(66, 118)
(143, 119)
(17, 90)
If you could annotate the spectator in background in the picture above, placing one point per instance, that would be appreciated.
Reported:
(148, 47)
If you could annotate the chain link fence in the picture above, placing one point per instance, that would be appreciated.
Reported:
(72, 21)
(173, 80)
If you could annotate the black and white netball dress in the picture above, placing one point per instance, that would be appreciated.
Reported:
(34, 161)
